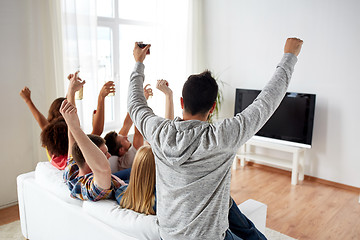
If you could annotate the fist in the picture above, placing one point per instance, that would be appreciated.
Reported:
(163, 86)
(293, 45)
(25, 93)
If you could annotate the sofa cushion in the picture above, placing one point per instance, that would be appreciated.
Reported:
(134, 224)
(52, 180)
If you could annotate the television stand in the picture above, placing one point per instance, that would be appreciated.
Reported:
(296, 163)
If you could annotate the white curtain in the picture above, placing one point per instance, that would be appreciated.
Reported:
(79, 43)
(57, 43)
(195, 40)
(45, 72)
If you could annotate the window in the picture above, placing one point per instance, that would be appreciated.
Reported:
(99, 38)
(119, 24)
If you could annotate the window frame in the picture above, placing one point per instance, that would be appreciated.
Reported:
(114, 24)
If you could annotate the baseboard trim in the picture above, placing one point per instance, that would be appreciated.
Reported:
(307, 177)
(8, 205)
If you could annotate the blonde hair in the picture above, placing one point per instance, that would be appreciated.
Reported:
(139, 195)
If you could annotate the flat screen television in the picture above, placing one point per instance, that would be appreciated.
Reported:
(292, 122)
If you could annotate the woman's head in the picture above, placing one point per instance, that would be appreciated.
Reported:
(54, 137)
(54, 109)
(139, 196)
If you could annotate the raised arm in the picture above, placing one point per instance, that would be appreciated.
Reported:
(163, 86)
(25, 93)
(74, 85)
(99, 115)
(94, 157)
(138, 140)
(126, 125)
(245, 124)
(142, 115)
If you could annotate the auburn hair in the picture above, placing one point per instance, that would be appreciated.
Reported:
(54, 109)
(139, 195)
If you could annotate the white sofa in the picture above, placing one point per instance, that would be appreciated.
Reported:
(48, 212)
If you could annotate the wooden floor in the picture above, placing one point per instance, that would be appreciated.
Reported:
(9, 214)
(309, 210)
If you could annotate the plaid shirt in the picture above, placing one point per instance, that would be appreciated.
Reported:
(84, 187)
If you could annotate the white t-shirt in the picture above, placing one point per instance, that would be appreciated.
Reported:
(126, 160)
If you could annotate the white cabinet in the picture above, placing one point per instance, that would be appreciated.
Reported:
(295, 163)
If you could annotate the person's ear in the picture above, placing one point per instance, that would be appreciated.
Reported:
(122, 151)
(182, 102)
(212, 108)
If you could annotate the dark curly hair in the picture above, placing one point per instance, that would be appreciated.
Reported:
(54, 112)
(54, 137)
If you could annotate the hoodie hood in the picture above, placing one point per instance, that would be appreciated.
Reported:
(178, 140)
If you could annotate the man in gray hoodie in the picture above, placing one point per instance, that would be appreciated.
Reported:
(193, 157)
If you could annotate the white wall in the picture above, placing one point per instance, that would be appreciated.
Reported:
(25, 51)
(244, 41)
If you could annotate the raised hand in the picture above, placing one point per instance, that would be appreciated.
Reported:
(109, 87)
(147, 91)
(140, 53)
(69, 112)
(75, 82)
(293, 45)
(163, 86)
(25, 93)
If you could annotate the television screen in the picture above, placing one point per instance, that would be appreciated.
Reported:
(292, 121)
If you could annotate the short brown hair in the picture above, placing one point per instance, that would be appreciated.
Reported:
(77, 154)
(112, 144)
(199, 93)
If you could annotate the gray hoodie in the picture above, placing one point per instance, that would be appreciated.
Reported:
(193, 158)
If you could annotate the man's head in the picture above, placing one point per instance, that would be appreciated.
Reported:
(199, 93)
(117, 144)
(79, 157)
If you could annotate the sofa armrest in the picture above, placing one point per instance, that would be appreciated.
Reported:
(256, 212)
(21, 200)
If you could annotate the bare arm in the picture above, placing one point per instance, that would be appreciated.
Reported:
(94, 157)
(25, 93)
(99, 115)
(163, 86)
(74, 85)
(138, 140)
(126, 125)
(128, 122)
